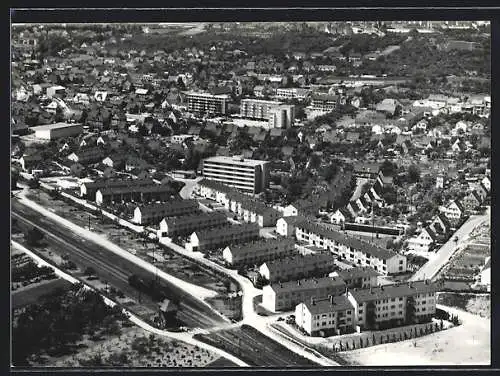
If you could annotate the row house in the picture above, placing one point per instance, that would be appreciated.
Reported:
(150, 193)
(258, 251)
(297, 267)
(222, 236)
(89, 189)
(172, 226)
(283, 296)
(154, 213)
(454, 212)
(351, 249)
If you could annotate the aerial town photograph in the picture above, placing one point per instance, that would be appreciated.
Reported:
(250, 194)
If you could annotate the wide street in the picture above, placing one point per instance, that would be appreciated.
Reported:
(434, 265)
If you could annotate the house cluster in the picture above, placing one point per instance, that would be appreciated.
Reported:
(450, 216)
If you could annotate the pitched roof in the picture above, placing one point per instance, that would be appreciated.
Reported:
(357, 272)
(306, 284)
(168, 206)
(393, 291)
(330, 304)
(349, 241)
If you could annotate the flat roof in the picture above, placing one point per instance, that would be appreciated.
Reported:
(236, 160)
(55, 126)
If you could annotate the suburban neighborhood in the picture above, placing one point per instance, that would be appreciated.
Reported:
(254, 194)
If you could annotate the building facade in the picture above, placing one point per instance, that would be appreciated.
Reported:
(257, 252)
(285, 296)
(248, 175)
(222, 236)
(203, 103)
(154, 213)
(185, 224)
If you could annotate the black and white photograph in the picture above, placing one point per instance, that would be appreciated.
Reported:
(292, 194)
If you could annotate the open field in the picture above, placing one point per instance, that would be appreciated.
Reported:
(467, 344)
(137, 348)
(31, 293)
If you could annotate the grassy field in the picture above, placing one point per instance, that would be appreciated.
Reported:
(30, 294)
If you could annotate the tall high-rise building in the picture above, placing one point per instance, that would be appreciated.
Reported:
(248, 175)
(202, 103)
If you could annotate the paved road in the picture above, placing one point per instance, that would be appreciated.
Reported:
(434, 265)
(101, 258)
(112, 267)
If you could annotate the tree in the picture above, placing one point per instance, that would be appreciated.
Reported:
(371, 316)
(410, 310)
(89, 271)
(413, 174)
(33, 236)
(388, 168)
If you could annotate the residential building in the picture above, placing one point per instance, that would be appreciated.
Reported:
(393, 305)
(286, 295)
(292, 93)
(222, 236)
(454, 211)
(89, 189)
(286, 226)
(248, 175)
(333, 314)
(171, 226)
(148, 193)
(351, 249)
(154, 213)
(259, 251)
(423, 241)
(87, 155)
(297, 267)
(57, 130)
(202, 103)
(471, 201)
(278, 114)
(324, 102)
(357, 277)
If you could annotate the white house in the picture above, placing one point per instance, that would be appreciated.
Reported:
(423, 241)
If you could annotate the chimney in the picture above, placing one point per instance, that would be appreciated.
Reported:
(313, 301)
(298, 282)
(331, 299)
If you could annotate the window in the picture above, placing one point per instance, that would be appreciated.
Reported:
(400, 262)
(348, 312)
(393, 299)
(423, 302)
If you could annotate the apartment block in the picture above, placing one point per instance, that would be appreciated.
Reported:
(286, 295)
(394, 305)
(358, 277)
(248, 175)
(324, 102)
(257, 252)
(89, 189)
(154, 213)
(372, 308)
(185, 224)
(219, 237)
(321, 316)
(203, 103)
(278, 114)
(354, 250)
(149, 193)
(297, 267)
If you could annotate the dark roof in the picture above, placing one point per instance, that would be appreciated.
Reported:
(352, 242)
(261, 244)
(166, 206)
(330, 304)
(320, 259)
(357, 272)
(227, 230)
(307, 284)
(186, 219)
(393, 291)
